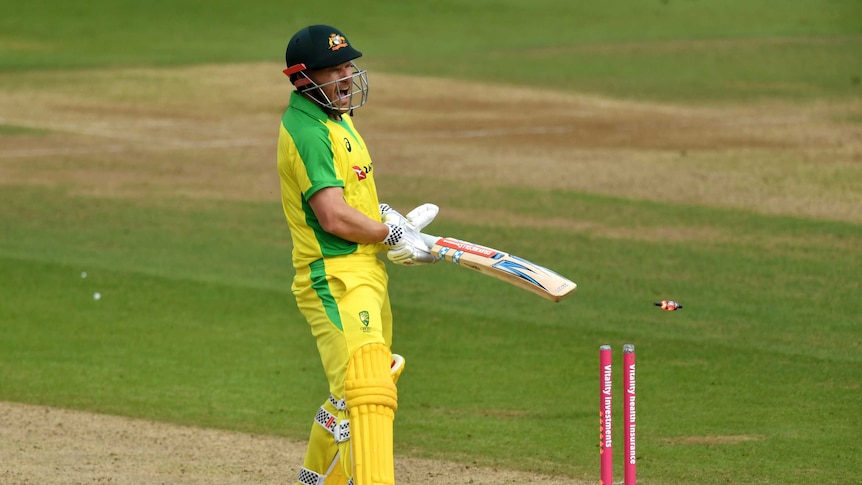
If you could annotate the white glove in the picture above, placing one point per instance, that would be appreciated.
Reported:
(406, 245)
(398, 225)
(422, 216)
(411, 251)
(417, 218)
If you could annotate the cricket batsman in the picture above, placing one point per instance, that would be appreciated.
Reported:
(338, 227)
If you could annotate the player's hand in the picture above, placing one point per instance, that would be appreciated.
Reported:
(398, 226)
(406, 244)
(411, 251)
(422, 216)
(417, 219)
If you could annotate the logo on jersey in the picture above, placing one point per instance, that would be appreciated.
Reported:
(365, 318)
(347, 145)
(360, 173)
(336, 42)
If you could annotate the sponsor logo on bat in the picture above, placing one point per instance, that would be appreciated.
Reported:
(468, 247)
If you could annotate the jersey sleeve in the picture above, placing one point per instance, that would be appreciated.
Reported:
(318, 163)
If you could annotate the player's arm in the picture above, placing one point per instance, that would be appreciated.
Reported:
(337, 217)
(405, 243)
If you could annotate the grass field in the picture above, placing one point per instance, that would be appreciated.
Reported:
(705, 152)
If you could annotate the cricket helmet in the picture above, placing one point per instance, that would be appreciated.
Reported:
(318, 47)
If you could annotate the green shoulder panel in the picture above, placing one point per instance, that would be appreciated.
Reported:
(310, 136)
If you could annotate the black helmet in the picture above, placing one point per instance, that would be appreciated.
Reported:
(317, 47)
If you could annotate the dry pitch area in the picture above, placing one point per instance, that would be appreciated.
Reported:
(44, 446)
(209, 132)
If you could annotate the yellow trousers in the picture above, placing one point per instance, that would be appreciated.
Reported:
(346, 304)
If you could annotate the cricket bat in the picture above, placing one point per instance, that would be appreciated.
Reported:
(503, 266)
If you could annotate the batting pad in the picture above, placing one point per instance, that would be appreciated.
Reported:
(372, 400)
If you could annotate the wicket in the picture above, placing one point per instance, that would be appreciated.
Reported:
(606, 416)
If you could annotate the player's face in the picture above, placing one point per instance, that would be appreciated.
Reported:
(336, 83)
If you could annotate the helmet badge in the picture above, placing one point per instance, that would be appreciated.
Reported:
(336, 42)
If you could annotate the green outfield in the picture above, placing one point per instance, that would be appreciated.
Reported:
(727, 50)
(756, 380)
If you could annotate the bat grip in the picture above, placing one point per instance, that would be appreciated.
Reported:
(428, 239)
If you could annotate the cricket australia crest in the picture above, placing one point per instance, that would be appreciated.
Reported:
(365, 318)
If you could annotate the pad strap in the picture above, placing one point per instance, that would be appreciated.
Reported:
(339, 404)
(340, 430)
(308, 477)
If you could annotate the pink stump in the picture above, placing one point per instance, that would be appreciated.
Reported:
(630, 459)
(605, 417)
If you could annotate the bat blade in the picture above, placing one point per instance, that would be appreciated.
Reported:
(503, 266)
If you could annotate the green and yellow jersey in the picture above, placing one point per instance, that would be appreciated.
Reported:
(316, 152)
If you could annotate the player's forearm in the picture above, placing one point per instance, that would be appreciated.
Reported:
(337, 217)
(355, 226)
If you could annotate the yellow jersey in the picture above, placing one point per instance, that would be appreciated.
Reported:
(316, 152)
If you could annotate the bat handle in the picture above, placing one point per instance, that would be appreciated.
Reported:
(428, 239)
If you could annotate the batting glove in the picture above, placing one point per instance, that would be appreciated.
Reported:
(398, 225)
(417, 218)
(412, 251)
(406, 245)
(422, 216)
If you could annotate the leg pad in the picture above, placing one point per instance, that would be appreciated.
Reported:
(371, 400)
